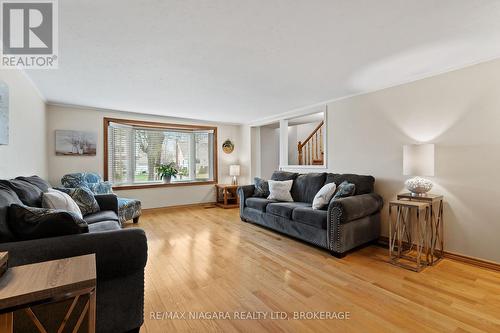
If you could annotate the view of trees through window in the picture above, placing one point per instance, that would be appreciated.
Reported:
(135, 153)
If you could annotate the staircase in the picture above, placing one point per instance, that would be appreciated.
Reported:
(311, 150)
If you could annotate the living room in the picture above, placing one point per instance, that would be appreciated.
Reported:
(250, 166)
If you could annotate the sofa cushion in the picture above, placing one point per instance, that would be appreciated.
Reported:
(305, 186)
(313, 217)
(104, 226)
(29, 194)
(33, 223)
(105, 215)
(284, 175)
(364, 184)
(258, 203)
(37, 181)
(7, 198)
(284, 209)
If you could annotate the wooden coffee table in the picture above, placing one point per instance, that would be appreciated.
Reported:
(48, 282)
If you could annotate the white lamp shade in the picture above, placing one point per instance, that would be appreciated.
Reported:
(418, 160)
(234, 170)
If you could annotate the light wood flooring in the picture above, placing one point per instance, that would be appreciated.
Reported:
(207, 260)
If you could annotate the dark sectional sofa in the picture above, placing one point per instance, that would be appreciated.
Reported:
(121, 256)
(344, 224)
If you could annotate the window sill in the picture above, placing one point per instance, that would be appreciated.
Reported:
(157, 185)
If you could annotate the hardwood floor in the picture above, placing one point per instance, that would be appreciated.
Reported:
(207, 260)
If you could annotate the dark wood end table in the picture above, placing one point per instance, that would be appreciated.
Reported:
(227, 196)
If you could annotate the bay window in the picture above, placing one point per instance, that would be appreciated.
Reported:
(134, 150)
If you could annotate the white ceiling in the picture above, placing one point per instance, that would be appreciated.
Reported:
(241, 61)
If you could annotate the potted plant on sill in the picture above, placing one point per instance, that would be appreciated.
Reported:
(166, 171)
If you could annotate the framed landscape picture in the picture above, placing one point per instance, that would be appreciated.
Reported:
(75, 143)
(4, 113)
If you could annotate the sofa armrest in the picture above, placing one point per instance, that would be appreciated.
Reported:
(245, 192)
(355, 207)
(118, 252)
(107, 202)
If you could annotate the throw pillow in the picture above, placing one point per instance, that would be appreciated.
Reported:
(280, 190)
(84, 198)
(345, 189)
(55, 199)
(324, 195)
(37, 181)
(261, 188)
(101, 187)
(33, 223)
(29, 194)
(7, 198)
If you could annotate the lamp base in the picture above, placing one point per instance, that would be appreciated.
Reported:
(234, 181)
(418, 186)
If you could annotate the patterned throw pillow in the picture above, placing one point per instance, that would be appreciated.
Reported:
(101, 187)
(345, 189)
(261, 188)
(84, 198)
(280, 190)
(324, 195)
(74, 180)
(34, 223)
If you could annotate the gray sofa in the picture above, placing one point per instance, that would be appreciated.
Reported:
(121, 256)
(343, 225)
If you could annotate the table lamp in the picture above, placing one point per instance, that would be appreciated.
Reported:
(418, 160)
(234, 171)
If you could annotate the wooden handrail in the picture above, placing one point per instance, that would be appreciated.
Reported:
(302, 144)
(313, 152)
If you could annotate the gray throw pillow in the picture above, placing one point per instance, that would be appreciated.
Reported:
(37, 181)
(345, 189)
(261, 188)
(280, 190)
(29, 194)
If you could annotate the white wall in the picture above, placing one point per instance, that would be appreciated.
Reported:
(70, 118)
(269, 148)
(26, 152)
(458, 111)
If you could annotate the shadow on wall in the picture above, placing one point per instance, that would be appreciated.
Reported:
(466, 161)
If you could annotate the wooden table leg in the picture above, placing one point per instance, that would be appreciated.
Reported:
(92, 311)
(6, 323)
(225, 196)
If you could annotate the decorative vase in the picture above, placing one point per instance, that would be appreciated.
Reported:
(418, 186)
(167, 179)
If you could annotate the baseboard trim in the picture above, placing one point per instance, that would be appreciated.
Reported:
(159, 209)
(482, 263)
